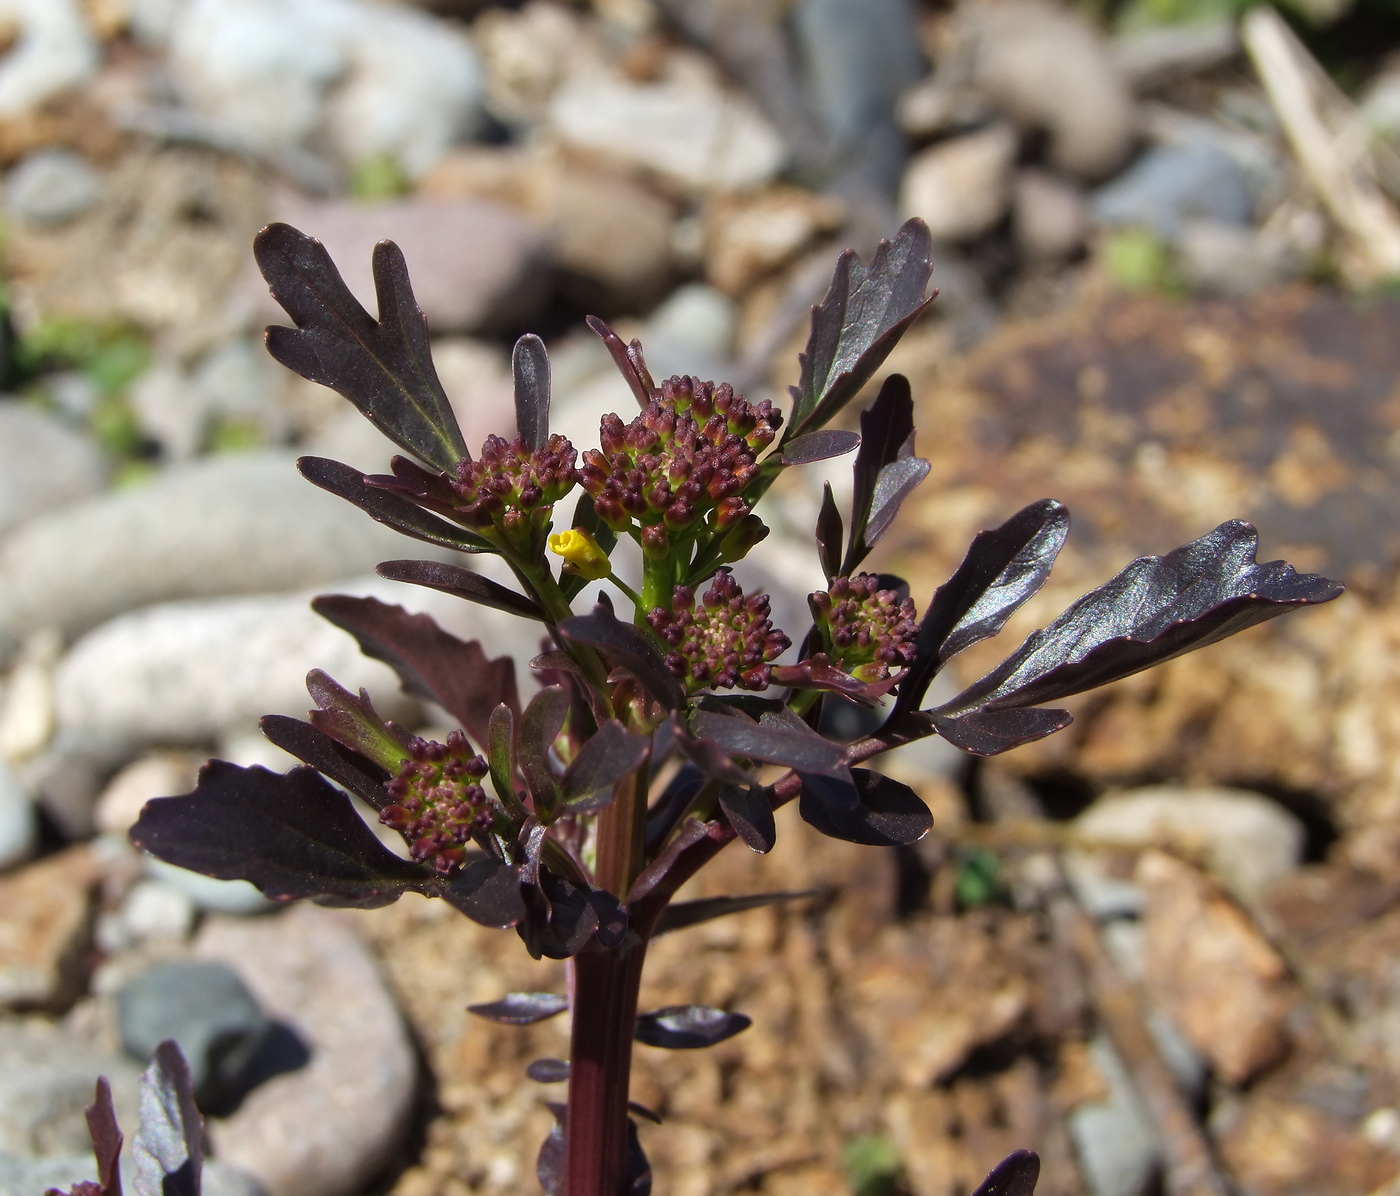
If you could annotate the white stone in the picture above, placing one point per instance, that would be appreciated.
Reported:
(961, 187)
(237, 897)
(155, 910)
(19, 827)
(691, 136)
(44, 464)
(161, 774)
(1247, 840)
(27, 703)
(53, 52)
(52, 186)
(1049, 215)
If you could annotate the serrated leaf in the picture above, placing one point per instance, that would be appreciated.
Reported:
(521, 1009)
(829, 534)
(384, 367)
(539, 728)
(1015, 1175)
(689, 1027)
(864, 313)
(1002, 569)
(629, 648)
(359, 774)
(462, 583)
(431, 664)
(886, 435)
(886, 813)
(750, 813)
(291, 835)
(168, 1151)
(684, 914)
(529, 368)
(605, 758)
(1155, 609)
(738, 736)
(353, 721)
(820, 445)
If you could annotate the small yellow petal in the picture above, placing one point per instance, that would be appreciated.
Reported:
(581, 553)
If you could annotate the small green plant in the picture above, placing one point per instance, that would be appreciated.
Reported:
(872, 1165)
(576, 816)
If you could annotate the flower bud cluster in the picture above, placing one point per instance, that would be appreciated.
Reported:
(508, 482)
(437, 804)
(872, 632)
(690, 453)
(724, 640)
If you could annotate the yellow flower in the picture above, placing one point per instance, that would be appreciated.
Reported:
(581, 553)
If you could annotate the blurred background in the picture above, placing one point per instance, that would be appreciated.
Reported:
(1159, 948)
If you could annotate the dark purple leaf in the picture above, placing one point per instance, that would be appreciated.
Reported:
(817, 672)
(357, 773)
(461, 583)
(500, 756)
(738, 736)
(605, 758)
(886, 813)
(557, 667)
(548, 1071)
(666, 811)
(551, 1163)
(708, 757)
(291, 836)
(897, 481)
(487, 890)
(353, 721)
(821, 445)
(988, 732)
(612, 917)
(384, 367)
(638, 1167)
(430, 663)
(689, 1027)
(1002, 569)
(829, 534)
(750, 813)
(521, 1009)
(391, 509)
(866, 310)
(627, 647)
(539, 728)
(639, 380)
(529, 367)
(106, 1138)
(685, 914)
(691, 832)
(562, 918)
(644, 1113)
(1015, 1175)
(1155, 609)
(886, 435)
(168, 1151)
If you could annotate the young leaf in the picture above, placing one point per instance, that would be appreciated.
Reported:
(866, 310)
(1015, 1175)
(605, 758)
(387, 507)
(829, 534)
(738, 736)
(821, 445)
(353, 721)
(359, 774)
(684, 914)
(106, 1139)
(897, 481)
(886, 436)
(563, 918)
(487, 890)
(291, 835)
(461, 583)
(627, 362)
(430, 663)
(384, 367)
(689, 1027)
(539, 727)
(1155, 609)
(521, 1009)
(529, 367)
(1002, 569)
(548, 1071)
(168, 1150)
(885, 813)
(627, 647)
(750, 813)
(500, 757)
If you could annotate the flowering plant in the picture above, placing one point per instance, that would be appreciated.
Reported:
(576, 816)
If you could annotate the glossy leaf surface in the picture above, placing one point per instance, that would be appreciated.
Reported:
(820, 445)
(627, 362)
(886, 435)
(529, 368)
(750, 813)
(988, 732)
(829, 534)
(487, 890)
(689, 1027)
(629, 647)
(739, 736)
(384, 367)
(885, 812)
(1015, 1175)
(897, 481)
(539, 727)
(864, 313)
(521, 1009)
(168, 1150)
(461, 583)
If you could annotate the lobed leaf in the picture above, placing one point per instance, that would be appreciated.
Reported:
(359, 774)
(384, 367)
(607, 756)
(462, 583)
(291, 835)
(1002, 569)
(885, 812)
(168, 1150)
(688, 1027)
(388, 507)
(529, 368)
(430, 663)
(627, 647)
(1015, 1175)
(685, 914)
(353, 721)
(521, 1009)
(864, 313)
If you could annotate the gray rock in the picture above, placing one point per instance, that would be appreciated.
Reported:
(474, 263)
(19, 825)
(230, 525)
(52, 52)
(1160, 54)
(207, 893)
(1114, 1138)
(52, 186)
(44, 464)
(1233, 259)
(352, 1100)
(152, 910)
(1172, 184)
(208, 1011)
(1049, 215)
(961, 187)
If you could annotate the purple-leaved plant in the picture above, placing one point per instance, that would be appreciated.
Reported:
(548, 817)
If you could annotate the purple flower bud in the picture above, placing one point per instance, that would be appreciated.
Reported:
(724, 640)
(438, 806)
(871, 632)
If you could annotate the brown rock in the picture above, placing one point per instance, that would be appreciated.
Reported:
(46, 929)
(1211, 971)
(749, 236)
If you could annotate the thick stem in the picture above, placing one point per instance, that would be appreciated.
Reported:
(605, 987)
